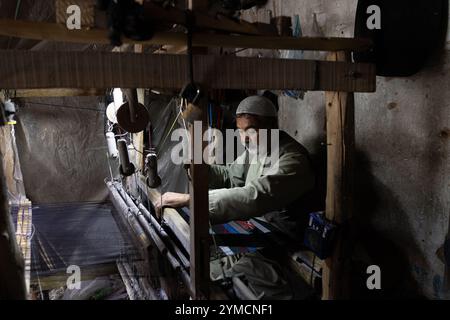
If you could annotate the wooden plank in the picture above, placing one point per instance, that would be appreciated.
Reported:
(24, 69)
(57, 92)
(15, 249)
(203, 20)
(281, 43)
(87, 9)
(138, 138)
(171, 15)
(12, 281)
(340, 141)
(7, 148)
(57, 32)
(198, 204)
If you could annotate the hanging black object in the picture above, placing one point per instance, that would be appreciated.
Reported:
(447, 252)
(132, 116)
(191, 92)
(2, 114)
(411, 30)
(126, 17)
(126, 168)
(151, 170)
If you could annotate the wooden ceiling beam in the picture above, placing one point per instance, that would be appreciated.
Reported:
(86, 70)
(203, 20)
(57, 92)
(58, 32)
(167, 16)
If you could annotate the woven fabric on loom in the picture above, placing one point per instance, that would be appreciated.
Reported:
(65, 234)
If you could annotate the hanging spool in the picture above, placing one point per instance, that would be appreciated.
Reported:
(112, 146)
(151, 167)
(126, 168)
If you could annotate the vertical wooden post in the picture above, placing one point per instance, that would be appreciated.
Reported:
(199, 211)
(138, 138)
(12, 281)
(198, 188)
(340, 141)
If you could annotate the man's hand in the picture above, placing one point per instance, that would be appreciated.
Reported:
(171, 199)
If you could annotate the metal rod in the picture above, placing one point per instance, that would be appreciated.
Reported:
(165, 237)
(187, 282)
(129, 206)
(128, 218)
(144, 224)
(154, 236)
(134, 281)
(126, 280)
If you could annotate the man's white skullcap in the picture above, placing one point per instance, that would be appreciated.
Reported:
(257, 105)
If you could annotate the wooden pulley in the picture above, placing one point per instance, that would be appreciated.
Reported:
(132, 116)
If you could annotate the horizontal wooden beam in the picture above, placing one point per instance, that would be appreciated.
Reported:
(86, 70)
(281, 43)
(203, 20)
(57, 92)
(87, 8)
(169, 16)
(56, 32)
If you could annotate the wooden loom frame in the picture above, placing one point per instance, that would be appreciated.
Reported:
(40, 73)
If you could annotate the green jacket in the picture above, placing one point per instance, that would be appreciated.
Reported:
(240, 192)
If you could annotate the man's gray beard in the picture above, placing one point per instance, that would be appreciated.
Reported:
(256, 150)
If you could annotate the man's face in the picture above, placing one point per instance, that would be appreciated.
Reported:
(248, 127)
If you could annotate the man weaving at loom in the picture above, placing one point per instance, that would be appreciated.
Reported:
(249, 188)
